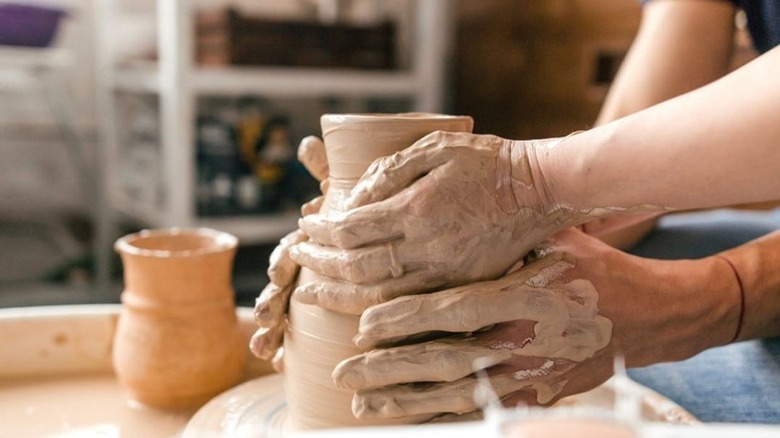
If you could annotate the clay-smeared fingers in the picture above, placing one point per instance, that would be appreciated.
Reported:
(475, 415)
(311, 153)
(428, 398)
(361, 266)
(443, 360)
(272, 303)
(355, 228)
(278, 361)
(353, 298)
(313, 206)
(266, 341)
(389, 175)
(460, 309)
(282, 269)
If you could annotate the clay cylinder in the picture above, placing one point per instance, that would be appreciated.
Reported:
(316, 339)
(177, 342)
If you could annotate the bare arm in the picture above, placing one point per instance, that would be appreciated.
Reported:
(718, 145)
(681, 45)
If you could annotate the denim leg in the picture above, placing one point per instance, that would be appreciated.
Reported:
(738, 383)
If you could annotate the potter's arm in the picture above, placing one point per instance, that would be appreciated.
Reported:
(680, 46)
(718, 145)
(455, 208)
(757, 264)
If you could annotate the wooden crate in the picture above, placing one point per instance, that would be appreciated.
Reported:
(225, 37)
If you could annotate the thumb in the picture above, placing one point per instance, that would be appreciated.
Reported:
(311, 153)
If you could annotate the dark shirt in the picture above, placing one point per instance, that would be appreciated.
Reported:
(763, 17)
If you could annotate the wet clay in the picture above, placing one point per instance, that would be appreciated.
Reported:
(566, 329)
(317, 339)
(433, 216)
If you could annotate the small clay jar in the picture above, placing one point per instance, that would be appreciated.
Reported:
(177, 342)
(316, 339)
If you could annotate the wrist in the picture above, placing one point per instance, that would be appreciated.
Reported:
(532, 173)
(691, 309)
(714, 297)
(546, 177)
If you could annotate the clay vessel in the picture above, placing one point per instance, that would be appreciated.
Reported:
(316, 339)
(178, 342)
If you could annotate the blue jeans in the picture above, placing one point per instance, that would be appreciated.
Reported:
(737, 383)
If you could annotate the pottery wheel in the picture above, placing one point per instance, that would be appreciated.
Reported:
(257, 408)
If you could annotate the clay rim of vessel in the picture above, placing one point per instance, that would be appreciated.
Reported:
(204, 241)
(406, 118)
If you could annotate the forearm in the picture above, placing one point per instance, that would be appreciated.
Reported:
(758, 266)
(718, 145)
(680, 46)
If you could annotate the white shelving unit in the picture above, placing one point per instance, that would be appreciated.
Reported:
(179, 82)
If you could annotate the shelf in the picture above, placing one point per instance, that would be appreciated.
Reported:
(250, 229)
(275, 81)
(178, 82)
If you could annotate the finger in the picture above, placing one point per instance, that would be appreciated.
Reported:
(454, 310)
(313, 206)
(461, 309)
(278, 361)
(389, 175)
(435, 361)
(427, 398)
(353, 298)
(311, 153)
(360, 266)
(266, 341)
(355, 228)
(545, 376)
(282, 269)
(272, 304)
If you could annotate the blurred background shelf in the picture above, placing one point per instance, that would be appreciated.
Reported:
(276, 81)
(174, 78)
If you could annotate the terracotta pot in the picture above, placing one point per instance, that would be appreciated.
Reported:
(316, 339)
(178, 341)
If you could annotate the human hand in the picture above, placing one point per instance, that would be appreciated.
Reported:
(271, 305)
(545, 331)
(451, 209)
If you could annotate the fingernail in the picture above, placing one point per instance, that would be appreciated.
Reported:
(259, 346)
(350, 378)
(262, 313)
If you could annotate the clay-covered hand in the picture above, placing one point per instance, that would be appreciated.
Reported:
(451, 209)
(547, 330)
(271, 305)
